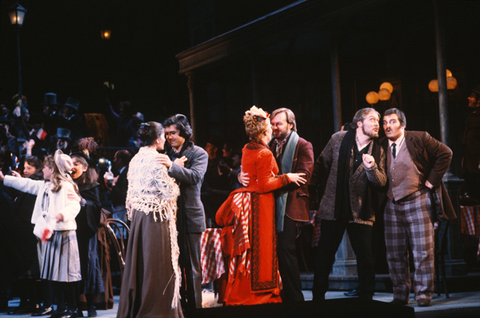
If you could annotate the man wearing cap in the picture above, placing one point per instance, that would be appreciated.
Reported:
(471, 141)
(71, 119)
(49, 116)
(63, 140)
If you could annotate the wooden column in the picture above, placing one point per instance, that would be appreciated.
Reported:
(191, 96)
(336, 91)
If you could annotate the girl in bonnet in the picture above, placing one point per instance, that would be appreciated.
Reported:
(58, 198)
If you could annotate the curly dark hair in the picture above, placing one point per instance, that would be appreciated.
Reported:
(181, 123)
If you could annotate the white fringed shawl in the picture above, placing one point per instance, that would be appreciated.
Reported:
(152, 190)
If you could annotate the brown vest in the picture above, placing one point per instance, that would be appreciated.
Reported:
(403, 176)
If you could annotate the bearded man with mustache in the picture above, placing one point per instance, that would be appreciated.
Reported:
(353, 164)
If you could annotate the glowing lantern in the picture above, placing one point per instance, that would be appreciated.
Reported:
(451, 82)
(433, 86)
(106, 34)
(387, 86)
(372, 98)
(449, 74)
(383, 94)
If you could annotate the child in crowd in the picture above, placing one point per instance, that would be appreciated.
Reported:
(58, 197)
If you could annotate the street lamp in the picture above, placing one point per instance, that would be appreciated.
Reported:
(17, 15)
(106, 34)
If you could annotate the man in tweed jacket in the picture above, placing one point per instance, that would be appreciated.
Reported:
(352, 163)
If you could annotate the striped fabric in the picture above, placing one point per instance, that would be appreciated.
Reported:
(468, 219)
(470, 222)
(213, 265)
(241, 242)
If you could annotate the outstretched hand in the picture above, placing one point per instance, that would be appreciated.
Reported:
(16, 174)
(297, 178)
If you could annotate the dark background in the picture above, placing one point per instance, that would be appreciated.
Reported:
(62, 50)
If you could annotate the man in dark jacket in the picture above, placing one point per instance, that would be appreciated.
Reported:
(352, 163)
(416, 197)
(187, 164)
(120, 184)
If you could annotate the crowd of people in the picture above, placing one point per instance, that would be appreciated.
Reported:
(169, 191)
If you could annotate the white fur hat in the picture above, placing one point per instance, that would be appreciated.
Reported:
(64, 162)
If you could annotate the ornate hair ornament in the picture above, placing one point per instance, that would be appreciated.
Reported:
(254, 111)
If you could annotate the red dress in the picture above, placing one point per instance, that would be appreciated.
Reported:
(249, 238)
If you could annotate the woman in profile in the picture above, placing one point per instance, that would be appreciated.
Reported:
(248, 219)
(151, 279)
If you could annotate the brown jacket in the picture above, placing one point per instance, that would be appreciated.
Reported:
(432, 158)
(326, 167)
(298, 201)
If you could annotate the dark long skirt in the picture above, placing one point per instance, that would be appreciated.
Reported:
(148, 282)
(92, 282)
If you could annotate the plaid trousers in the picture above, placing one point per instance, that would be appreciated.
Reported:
(408, 222)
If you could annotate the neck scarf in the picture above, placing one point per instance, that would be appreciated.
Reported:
(343, 210)
(286, 167)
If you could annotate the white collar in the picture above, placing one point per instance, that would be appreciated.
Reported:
(358, 144)
(398, 142)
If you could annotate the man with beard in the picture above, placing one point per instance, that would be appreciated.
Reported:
(293, 154)
(352, 163)
(416, 197)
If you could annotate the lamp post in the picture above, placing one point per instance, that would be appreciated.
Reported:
(17, 15)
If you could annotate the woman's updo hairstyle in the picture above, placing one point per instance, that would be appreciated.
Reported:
(149, 132)
(255, 121)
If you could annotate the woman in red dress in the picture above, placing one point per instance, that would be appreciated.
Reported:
(248, 219)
